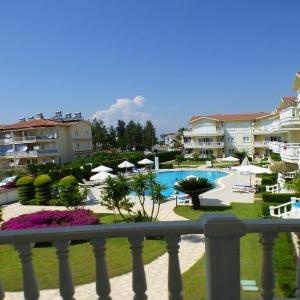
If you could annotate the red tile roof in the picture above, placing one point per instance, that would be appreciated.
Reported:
(232, 117)
(33, 124)
(289, 98)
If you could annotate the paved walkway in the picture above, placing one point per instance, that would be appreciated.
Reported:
(191, 247)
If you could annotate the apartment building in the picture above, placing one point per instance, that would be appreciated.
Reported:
(38, 140)
(256, 133)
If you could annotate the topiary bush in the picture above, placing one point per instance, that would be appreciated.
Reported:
(269, 179)
(42, 186)
(69, 192)
(25, 189)
(277, 198)
(275, 156)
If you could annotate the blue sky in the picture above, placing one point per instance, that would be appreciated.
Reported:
(165, 60)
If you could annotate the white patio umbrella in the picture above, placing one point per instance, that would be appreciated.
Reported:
(146, 161)
(230, 159)
(102, 176)
(102, 169)
(245, 162)
(252, 170)
(125, 165)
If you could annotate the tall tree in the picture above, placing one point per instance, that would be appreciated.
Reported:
(121, 134)
(99, 133)
(112, 137)
(130, 135)
(149, 135)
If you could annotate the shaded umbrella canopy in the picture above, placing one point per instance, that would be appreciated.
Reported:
(252, 169)
(230, 159)
(102, 169)
(146, 161)
(101, 176)
(125, 164)
(245, 162)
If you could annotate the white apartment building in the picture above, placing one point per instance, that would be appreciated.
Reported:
(39, 140)
(256, 133)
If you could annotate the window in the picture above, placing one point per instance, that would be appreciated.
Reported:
(78, 146)
(230, 151)
(230, 139)
(246, 139)
(87, 133)
(78, 156)
(76, 132)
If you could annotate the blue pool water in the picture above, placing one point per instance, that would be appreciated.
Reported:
(170, 177)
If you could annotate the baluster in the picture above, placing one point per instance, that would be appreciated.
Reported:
(102, 280)
(66, 287)
(139, 284)
(2, 294)
(267, 273)
(30, 287)
(298, 268)
(174, 274)
(222, 252)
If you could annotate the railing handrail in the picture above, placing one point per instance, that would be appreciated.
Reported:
(88, 232)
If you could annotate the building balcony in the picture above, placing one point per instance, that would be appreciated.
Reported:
(267, 129)
(27, 139)
(222, 234)
(275, 146)
(289, 117)
(195, 133)
(262, 144)
(290, 152)
(29, 154)
(199, 145)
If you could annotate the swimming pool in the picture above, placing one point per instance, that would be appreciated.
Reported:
(170, 177)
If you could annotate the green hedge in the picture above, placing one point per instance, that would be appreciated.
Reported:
(25, 189)
(277, 198)
(275, 156)
(285, 266)
(42, 186)
(269, 179)
(166, 166)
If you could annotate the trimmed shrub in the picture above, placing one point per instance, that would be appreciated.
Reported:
(70, 195)
(166, 166)
(269, 179)
(261, 188)
(51, 218)
(25, 189)
(42, 186)
(55, 175)
(275, 156)
(277, 198)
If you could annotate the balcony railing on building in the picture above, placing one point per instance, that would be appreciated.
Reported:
(207, 145)
(275, 146)
(27, 139)
(261, 143)
(290, 152)
(222, 246)
(289, 117)
(208, 132)
(30, 153)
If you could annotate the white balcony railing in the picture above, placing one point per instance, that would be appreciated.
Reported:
(27, 139)
(290, 152)
(284, 210)
(275, 146)
(211, 132)
(222, 245)
(289, 117)
(208, 145)
(261, 143)
(31, 153)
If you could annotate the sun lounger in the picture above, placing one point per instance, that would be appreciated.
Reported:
(243, 188)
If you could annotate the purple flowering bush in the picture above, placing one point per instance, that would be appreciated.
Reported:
(51, 218)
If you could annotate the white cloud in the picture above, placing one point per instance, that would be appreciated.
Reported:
(123, 109)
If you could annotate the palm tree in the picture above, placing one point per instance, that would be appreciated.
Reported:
(240, 155)
(157, 196)
(115, 192)
(194, 187)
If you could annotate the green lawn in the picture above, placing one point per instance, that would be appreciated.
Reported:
(251, 253)
(81, 260)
